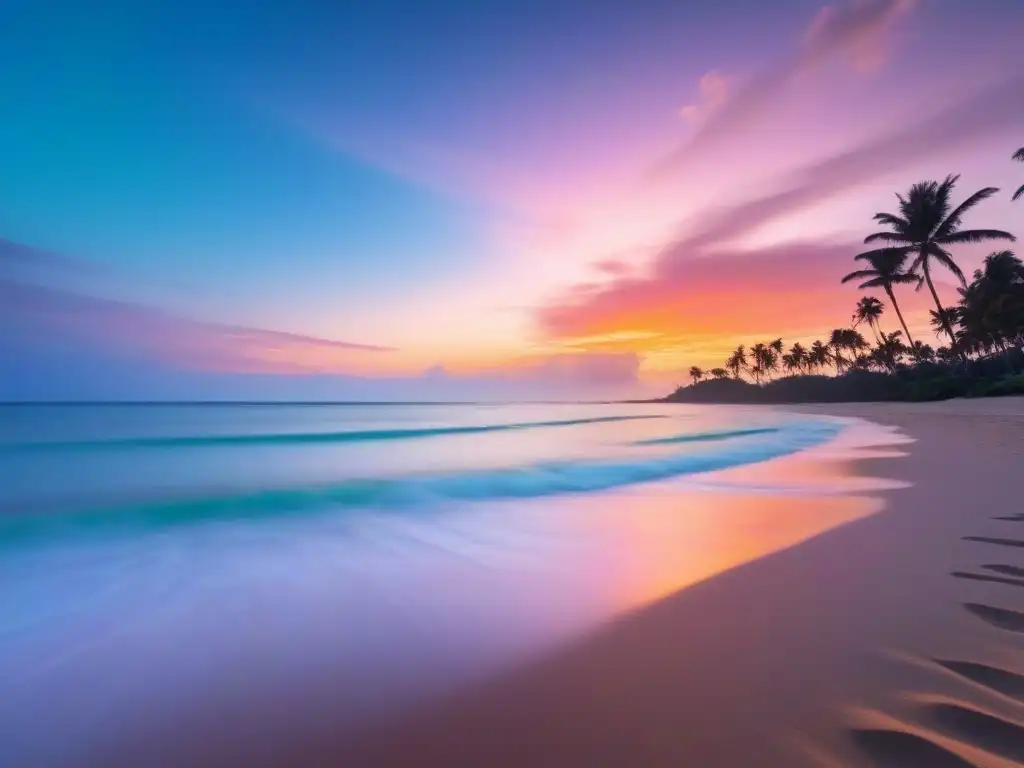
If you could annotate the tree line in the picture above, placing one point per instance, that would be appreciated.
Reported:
(916, 241)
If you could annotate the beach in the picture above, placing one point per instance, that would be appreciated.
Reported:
(892, 640)
(818, 596)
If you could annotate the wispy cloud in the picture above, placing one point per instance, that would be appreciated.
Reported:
(733, 292)
(62, 345)
(988, 112)
(704, 284)
(712, 92)
(700, 284)
(171, 356)
(614, 267)
(860, 30)
(44, 315)
(857, 30)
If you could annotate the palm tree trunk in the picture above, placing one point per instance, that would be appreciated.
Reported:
(942, 312)
(874, 330)
(892, 298)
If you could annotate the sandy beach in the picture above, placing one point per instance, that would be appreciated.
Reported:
(893, 640)
(862, 623)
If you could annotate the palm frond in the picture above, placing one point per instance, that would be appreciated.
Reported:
(888, 253)
(1018, 193)
(905, 279)
(894, 221)
(977, 236)
(860, 274)
(1019, 155)
(943, 190)
(886, 237)
(945, 258)
(951, 222)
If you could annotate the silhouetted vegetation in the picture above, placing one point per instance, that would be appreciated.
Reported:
(981, 349)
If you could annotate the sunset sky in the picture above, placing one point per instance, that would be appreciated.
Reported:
(468, 198)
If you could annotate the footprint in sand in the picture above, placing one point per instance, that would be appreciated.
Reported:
(999, 680)
(1004, 618)
(888, 748)
(1009, 570)
(897, 749)
(993, 734)
(990, 579)
(1000, 542)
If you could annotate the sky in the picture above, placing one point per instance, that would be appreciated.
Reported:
(468, 199)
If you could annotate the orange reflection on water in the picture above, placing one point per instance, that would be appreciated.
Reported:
(675, 542)
(652, 543)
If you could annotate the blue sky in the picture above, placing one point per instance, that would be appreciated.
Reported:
(430, 177)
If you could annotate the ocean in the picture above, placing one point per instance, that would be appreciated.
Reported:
(164, 564)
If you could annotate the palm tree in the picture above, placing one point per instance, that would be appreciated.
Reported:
(845, 340)
(923, 352)
(942, 322)
(890, 349)
(887, 269)
(696, 373)
(837, 343)
(869, 310)
(854, 341)
(758, 355)
(819, 356)
(1003, 270)
(927, 223)
(991, 311)
(862, 362)
(798, 354)
(719, 373)
(737, 362)
(1019, 156)
(765, 359)
(773, 350)
(767, 356)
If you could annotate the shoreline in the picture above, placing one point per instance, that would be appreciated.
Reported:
(882, 639)
(890, 638)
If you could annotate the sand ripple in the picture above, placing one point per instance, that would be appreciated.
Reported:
(951, 733)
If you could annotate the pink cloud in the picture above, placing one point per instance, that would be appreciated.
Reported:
(861, 30)
(988, 112)
(700, 285)
(728, 292)
(614, 267)
(712, 92)
(835, 31)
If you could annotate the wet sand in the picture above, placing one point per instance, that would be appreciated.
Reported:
(894, 640)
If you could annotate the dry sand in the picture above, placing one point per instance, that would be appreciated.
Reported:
(897, 639)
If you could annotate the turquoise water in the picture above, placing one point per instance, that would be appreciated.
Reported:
(152, 552)
(87, 467)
